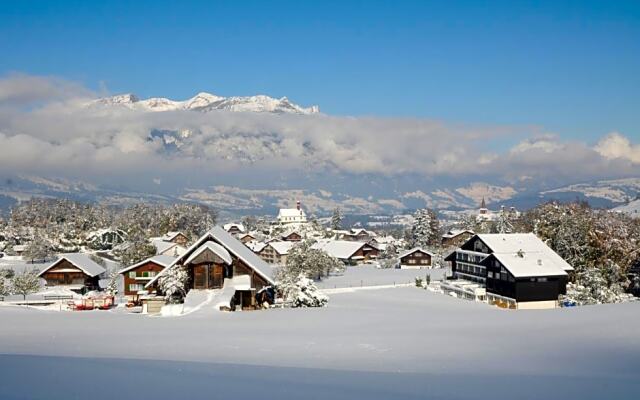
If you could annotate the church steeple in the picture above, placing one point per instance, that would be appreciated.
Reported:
(483, 204)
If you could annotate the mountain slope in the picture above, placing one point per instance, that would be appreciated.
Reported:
(205, 102)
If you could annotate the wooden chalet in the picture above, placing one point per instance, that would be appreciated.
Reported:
(292, 236)
(176, 237)
(518, 270)
(415, 258)
(234, 229)
(276, 252)
(138, 275)
(217, 260)
(74, 271)
(456, 237)
(351, 253)
(246, 238)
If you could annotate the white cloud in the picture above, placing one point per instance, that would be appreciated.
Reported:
(614, 145)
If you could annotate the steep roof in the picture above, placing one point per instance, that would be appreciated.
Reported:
(227, 227)
(215, 248)
(233, 246)
(79, 260)
(162, 245)
(169, 236)
(342, 249)
(161, 260)
(406, 253)
(528, 264)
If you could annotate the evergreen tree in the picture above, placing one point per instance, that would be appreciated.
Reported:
(425, 230)
(504, 224)
(336, 219)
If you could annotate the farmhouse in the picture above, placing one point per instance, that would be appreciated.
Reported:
(288, 216)
(137, 275)
(234, 229)
(415, 258)
(176, 237)
(350, 253)
(73, 271)
(276, 252)
(292, 236)
(518, 270)
(217, 260)
(455, 237)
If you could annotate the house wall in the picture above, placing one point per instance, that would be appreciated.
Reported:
(457, 240)
(181, 239)
(416, 259)
(151, 268)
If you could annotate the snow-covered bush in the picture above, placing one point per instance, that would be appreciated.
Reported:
(5, 286)
(301, 292)
(418, 281)
(112, 286)
(595, 286)
(173, 283)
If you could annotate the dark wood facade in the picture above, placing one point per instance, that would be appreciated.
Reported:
(292, 237)
(64, 273)
(417, 258)
(135, 279)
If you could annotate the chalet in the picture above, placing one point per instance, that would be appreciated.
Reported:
(518, 270)
(137, 275)
(74, 271)
(217, 260)
(288, 216)
(292, 236)
(358, 235)
(176, 237)
(234, 229)
(246, 238)
(276, 252)
(456, 237)
(351, 253)
(415, 258)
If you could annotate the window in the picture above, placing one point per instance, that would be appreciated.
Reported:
(132, 274)
(136, 287)
(145, 274)
(490, 274)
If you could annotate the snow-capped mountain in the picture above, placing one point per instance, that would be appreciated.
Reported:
(207, 102)
(605, 193)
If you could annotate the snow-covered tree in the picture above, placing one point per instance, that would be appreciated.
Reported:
(425, 230)
(112, 286)
(336, 219)
(173, 283)
(504, 224)
(25, 284)
(5, 286)
(300, 291)
(38, 249)
(312, 263)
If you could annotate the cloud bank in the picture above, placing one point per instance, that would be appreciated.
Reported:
(47, 128)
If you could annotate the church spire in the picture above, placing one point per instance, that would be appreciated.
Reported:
(483, 204)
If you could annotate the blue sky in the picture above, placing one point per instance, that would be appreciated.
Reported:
(570, 67)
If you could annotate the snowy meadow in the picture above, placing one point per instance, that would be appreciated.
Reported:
(389, 343)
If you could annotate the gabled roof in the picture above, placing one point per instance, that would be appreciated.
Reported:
(169, 236)
(291, 212)
(406, 253)
(227, 227)
(457, 232)
(282, 248)
(162, 245)
(161, 260)
(215, 248)
(233, 246)
(341, 249)
(79, 260)
(255, 246)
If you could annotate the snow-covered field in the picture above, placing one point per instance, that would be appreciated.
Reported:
(377, 344)
(369, 275)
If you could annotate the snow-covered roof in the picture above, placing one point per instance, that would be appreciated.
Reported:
(525, 264)
(411, 251)
(507, 246)
(255, 246)
(162, 245)
(283, 247)
(213, 247)
(233, 246)
(342, 249)
(227, 227)
(169, 236)
(161, 260)
(79, 260)
(456, 232)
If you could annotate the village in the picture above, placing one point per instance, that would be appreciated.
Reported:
(297, 261)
